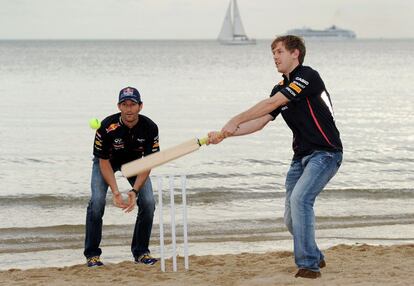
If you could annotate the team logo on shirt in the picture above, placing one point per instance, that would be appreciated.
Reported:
(112, 127)
(118, 143)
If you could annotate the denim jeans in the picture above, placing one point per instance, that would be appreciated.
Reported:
(305, 179)
(96, 208)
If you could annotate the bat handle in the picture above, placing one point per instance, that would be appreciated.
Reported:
(202, 141)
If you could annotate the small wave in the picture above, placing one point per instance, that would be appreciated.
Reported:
(234, 176)
(246, 162)
(26, 161)
(213, 175)
(207, 195)
(374, 194)
(264, 162)
(34, 160)
(43, 200)
(14, 240)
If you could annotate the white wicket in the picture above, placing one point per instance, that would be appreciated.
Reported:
(173, 225)
(184, 204)
(172, 213)
(159, 179)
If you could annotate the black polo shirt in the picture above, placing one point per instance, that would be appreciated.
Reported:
(308, 113)
(121, 144)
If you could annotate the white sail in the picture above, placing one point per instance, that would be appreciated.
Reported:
(237, 24)
(232, 31)
(226, 32)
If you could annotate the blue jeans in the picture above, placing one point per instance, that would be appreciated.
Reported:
(306, 178)
(96, 208)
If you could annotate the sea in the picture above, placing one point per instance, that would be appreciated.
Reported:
(235, 190)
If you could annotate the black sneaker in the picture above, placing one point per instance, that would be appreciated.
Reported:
(306, 273)
(146, 259)
(94, 261)
(322, 264)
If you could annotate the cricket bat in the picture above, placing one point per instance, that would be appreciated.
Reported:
(151, 161)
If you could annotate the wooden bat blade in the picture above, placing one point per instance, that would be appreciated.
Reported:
(146, 163)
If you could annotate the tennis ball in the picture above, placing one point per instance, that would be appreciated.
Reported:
(94, 123)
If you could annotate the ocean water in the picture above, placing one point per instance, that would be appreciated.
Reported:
(50, 89)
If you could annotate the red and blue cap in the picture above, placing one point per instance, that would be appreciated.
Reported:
(130, 93)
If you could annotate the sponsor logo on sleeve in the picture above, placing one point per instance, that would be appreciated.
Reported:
(291, 91)
(299, 79)
(295, 87)
(299, 84)
(155, 144)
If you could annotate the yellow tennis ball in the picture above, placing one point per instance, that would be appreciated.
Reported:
(94, 123)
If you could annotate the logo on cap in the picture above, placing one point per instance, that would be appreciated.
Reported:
(129, 93)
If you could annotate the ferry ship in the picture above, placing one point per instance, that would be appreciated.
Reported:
(332, 32)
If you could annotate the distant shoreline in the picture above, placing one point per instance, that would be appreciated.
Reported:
(207, 40)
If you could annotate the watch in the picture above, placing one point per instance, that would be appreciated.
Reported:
(135, 191)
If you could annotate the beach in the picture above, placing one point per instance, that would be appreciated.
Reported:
(346, 265)
(235, 190)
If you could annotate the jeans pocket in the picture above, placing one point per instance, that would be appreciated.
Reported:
(324, 157)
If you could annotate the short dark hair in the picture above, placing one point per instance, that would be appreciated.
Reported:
(292, 43)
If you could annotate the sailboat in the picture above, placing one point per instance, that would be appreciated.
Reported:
(232, 31)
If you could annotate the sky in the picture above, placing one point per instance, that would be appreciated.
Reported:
(198, 19)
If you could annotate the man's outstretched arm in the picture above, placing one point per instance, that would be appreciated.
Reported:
(248, 127)
(258, 110)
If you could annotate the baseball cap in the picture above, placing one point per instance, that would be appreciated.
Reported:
(130, 93)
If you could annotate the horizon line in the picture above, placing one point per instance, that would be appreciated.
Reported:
(187, 39)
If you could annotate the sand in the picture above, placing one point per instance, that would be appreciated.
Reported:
(346, 265)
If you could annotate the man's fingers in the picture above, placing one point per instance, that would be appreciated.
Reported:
(120, 204)
(131, 202)
(129, 208)
(215, 137)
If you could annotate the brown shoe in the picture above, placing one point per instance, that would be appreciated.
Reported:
(305, 273)
(322, 264)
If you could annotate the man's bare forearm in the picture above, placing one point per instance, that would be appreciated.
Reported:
(108, 175)
(252, 125)
(261, 108)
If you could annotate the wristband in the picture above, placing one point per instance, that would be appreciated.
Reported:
(135, 191)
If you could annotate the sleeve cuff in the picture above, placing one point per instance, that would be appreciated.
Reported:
(287, 94)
